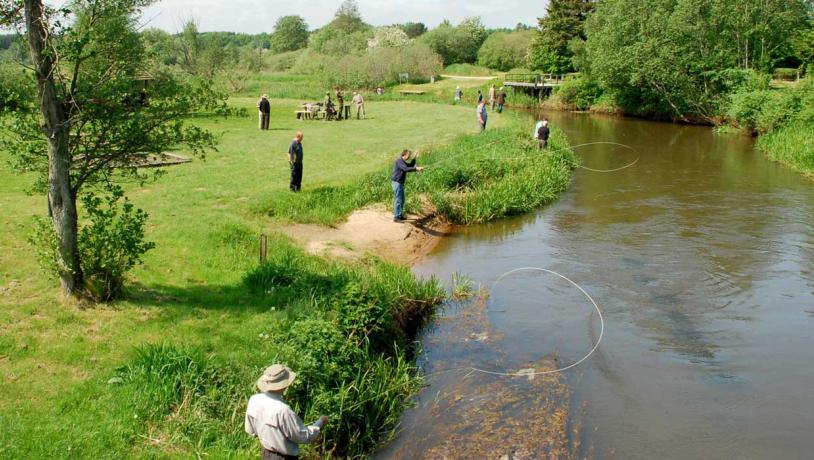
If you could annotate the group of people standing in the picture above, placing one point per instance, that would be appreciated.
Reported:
(497, 97)
(336, 111)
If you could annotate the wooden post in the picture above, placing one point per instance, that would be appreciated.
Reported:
(263, 247)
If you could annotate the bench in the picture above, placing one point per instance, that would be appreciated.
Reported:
(407, 92)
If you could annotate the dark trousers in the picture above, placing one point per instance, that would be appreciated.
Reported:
(271, 455)
(296, 177)
(543, 144)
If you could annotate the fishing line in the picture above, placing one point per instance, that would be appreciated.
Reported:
(471, 369)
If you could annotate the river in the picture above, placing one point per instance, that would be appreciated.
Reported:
(701, 258)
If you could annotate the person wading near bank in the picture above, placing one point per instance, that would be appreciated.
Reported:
(295, 161)
(264, 108)
(272, 421)
(543, 133)
(403, 166)
(482, 116)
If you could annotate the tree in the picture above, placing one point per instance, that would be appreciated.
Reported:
(564, 22)
(290, 34)
(457, 44)
(347, 18)
(505, 50)
(388, 37)
(413, 29)
(681, 57)
(94, 125)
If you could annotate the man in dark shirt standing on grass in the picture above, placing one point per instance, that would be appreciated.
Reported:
(403, 166)
(264, 108)
(295, 160)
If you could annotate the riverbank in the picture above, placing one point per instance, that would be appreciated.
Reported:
(166, 372)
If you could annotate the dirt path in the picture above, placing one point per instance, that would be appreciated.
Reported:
(372, 231)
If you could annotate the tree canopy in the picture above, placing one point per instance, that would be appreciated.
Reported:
(290, 34)
(563, 23)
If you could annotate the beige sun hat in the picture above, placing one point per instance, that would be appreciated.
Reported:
(275, 378)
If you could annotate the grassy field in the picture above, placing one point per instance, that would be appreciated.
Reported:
(198, 311)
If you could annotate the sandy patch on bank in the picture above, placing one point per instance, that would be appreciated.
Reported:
(372, 230)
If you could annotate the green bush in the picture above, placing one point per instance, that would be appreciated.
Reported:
(111, 242)
(766, 110)
(17, 90)
(377, 67)
(505, 50)
(283, 61)
(578, 93)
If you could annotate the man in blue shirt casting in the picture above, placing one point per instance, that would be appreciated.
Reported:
(403, 166)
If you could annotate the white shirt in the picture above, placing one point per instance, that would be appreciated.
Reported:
(358, 99)
(537, 128)
(277, 426)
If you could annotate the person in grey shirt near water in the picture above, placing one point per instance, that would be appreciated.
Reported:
(295, 161)
(268, 418)
(403, 166)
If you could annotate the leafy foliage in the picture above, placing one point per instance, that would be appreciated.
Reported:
(505, 50)
(563, 23)
(290, 34)
(413, 29)
(457, 44)
(673, 56)
(111, 242)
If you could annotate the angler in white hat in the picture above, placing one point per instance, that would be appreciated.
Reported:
(272, 421)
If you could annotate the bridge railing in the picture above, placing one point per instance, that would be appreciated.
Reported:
(539, 79)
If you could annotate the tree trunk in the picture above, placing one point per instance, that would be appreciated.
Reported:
(61, 197)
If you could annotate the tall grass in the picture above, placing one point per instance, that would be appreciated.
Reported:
(349, 336)
(476, 179)
(792, 145)
(351, 345)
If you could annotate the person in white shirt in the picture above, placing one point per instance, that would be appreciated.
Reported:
(272, 421)
(360, 104)
(537, 129)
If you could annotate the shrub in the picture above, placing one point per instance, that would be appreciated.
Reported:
(17, 92)
(379, 66)
(579, 93)
(505, 50)
(111, 242)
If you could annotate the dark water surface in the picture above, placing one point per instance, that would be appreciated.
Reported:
(701, 257)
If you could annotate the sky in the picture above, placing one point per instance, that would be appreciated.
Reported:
(255, 16)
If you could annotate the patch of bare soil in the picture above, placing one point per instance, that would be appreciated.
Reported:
(372, 230)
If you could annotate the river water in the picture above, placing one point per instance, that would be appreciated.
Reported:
(701, 258)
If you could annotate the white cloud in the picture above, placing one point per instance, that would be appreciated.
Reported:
(255, 16)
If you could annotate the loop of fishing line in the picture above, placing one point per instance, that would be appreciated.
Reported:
(471, 369)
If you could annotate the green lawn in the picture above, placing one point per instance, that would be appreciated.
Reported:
(56, 358)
